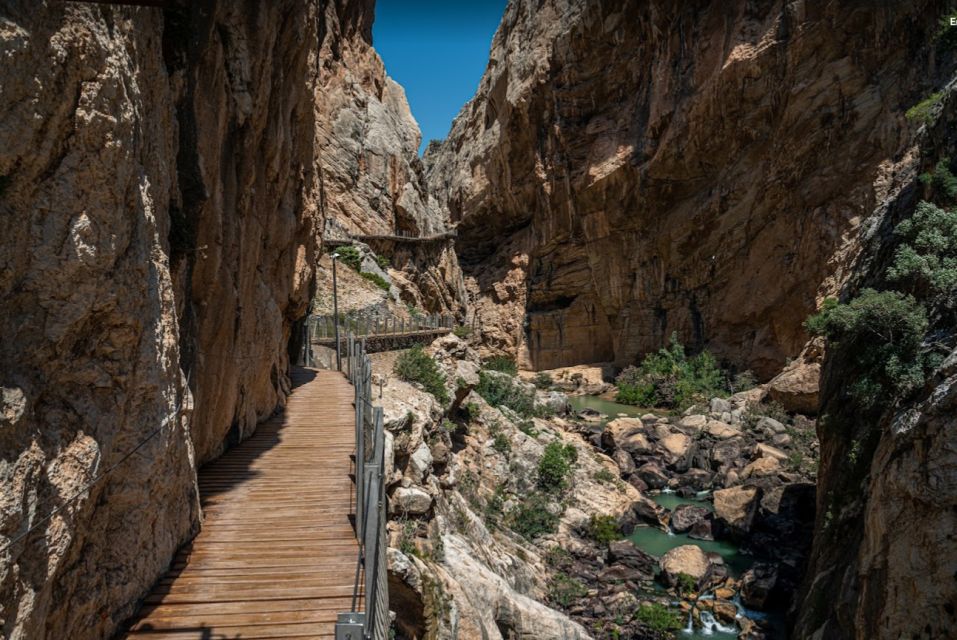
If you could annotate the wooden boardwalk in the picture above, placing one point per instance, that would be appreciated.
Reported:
(276, 557)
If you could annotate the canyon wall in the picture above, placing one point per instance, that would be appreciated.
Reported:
(630, 170)
(161, 198)
(884, 560)
(371, 178)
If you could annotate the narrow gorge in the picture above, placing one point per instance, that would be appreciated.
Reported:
(663, 332)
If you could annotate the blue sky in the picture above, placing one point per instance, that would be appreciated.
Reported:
(437, 50)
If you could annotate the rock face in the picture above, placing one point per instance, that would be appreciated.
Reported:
(883, 562)
(628, 171)
(161, 201)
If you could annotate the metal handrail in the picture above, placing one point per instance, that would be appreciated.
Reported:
(366, 325)
(369, 617)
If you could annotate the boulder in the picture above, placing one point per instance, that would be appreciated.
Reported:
(767, 451)
(757, 585)
(411, 500)
(781, 440)
(702, 530)
(695, 422)
(721, 430)
(653, 475)
(720, 405)
(420, 463)
(727, 452)
(626, 553)
(688, 559)
(638, 483)
(761, 467)
(686, 516)
(619, 431)
(770, 425)
(797, 388)
(626, 464)
(697, 479)
(745, 399)
(676, 444)
(736, 506)
(554, 402)
(649, 511)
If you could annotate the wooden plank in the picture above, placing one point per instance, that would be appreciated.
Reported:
(276, 555)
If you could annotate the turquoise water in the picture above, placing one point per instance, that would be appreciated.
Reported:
(658, 543)
(672, 500)
(607, 407)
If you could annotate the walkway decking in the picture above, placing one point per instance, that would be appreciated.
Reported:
(276, 557)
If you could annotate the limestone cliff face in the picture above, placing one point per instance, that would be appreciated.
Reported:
(626, 170)
(159, 198)
(372, 180)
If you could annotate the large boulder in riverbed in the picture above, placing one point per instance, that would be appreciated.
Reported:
(649, 511)
(688, 559)
(736, 507)
(728, 452)
(797, 387)
(626, 434)
(685, 516)
(702, 530)
(653, 475)
(626, 464)
(675, 444)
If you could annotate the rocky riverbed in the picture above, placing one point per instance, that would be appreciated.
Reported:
(512, 518)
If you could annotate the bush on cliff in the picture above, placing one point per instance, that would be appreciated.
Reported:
(925, 263)
(555, 465)
(669, 378)
(881, 332)
(415, 365)
(502, 391)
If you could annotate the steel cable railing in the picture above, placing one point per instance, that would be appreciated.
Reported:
(322, 327)
(369, 617)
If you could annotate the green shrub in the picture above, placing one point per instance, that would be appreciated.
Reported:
(923, 111)
(383, 262)
(543, 380)
(376, 279)
(415, 365)
(942, 180)
(501, 443)
(670, 379)
(743, 381)
(555, 465)
(658, 617)
(462, 331)
(449, 426)
(532, 518)
(500, 391)
(926, 260)
(564, 590)
(603, 529)
(502, 364)
(350, 256)
(685, 583)
(881, 332)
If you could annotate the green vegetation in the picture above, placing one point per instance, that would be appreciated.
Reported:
(543, 380)
(383, 262)
(564, 590)
(449, 426)
(555, 465)
(671, 379)
(923, 111)
(533, 518)
(603, 529)
(941, 180)
(604, 475)
(462, 331)
(502, 364)
(926, 260)
(501, 443)
(350, 256)
(376, 279)
(658, 617)
(686, 583)
(415, 365)
(501, 391)
(743, 381)
(882, 333)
